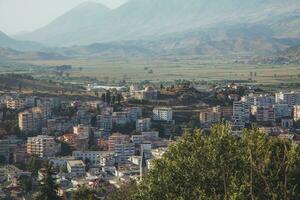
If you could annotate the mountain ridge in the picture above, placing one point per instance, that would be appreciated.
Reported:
(147, 19)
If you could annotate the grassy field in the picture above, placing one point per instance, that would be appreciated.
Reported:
(170, 68)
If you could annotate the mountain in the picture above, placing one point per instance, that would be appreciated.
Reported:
(11, 54)
(65, 27)
(292, 52)
(7, 42)
(151, 19)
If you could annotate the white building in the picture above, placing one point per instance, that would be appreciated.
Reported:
(163, 114)
(92, 156)
(81, 130)
(76, 168)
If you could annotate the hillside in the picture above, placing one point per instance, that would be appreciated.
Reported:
(11, 54)
(149, 19)
(293, 52)
(7, 42)
(65, 27)
(226, 40)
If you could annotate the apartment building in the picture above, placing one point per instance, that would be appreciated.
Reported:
(15, 104)
(42, 146)
(241, 114)
(264, 113)
(210, 116)
(163, 114)
(290, 98)
(296, 113)
(143, 124)
(92, 156)
(76, 168)
(31, 120)
(104, 121)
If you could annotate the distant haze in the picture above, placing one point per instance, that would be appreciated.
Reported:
(17, 16)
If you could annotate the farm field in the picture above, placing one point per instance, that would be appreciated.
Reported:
(170, 68)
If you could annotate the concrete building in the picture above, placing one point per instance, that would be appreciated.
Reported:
(117, 138)
(259, 99)
(241, 114)
(287, 123)
(290, 98)
(282, 111)
(296, 113)
(31, 120)
(134, 113)
(15, 104)
(81, 130)
(120, 118)
(8, 146)
(163, 114)
(143, 124)
(148, 94)
(210, 116)
(264, 113)
(105, 121)
(92, 156)
(42, 146)
(76, 168)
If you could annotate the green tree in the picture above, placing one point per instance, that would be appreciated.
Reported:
(221, 165)
(87, 194)
(26, 183)
(48, 190)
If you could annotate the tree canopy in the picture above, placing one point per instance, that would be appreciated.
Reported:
(221, 165)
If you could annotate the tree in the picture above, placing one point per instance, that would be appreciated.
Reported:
(48, 190)
(103, 97)
(126, 192)
(220, 165)
(119, 98)
(26, 183)
(2, 159)
(87, 194)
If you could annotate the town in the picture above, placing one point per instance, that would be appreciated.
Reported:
(112, 138)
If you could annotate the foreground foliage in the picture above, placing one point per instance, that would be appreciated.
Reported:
(223, 166)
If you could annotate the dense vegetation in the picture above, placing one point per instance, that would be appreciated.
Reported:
(223, 166)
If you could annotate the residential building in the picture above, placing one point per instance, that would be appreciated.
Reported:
(290, 98)
(15, 104)
(296, 113)
(93, 157)
(42, 146)
(282, 111)
(120, 118)
(76, 168)
(81, 130)
(143, 124)
(134, 113)
(117, 138)
(241, 114)
(287, 123)
(148, 94)
(163, 114)
(264, 113)
(105, 121)
(31, 120)
(210, 116)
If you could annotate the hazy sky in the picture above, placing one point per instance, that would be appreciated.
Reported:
(26, 15)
